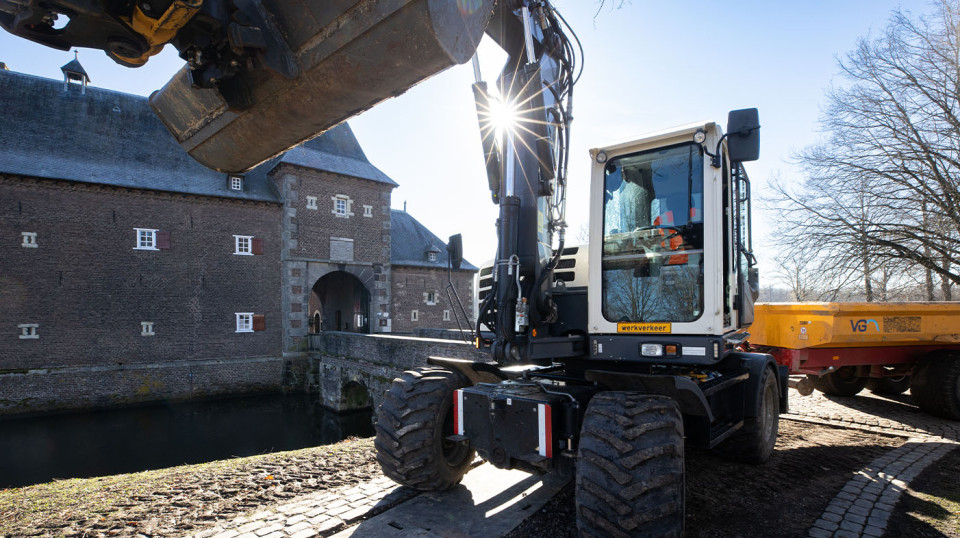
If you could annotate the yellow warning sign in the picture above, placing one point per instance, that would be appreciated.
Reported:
(643, 328)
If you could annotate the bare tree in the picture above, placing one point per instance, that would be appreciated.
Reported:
(883, 190)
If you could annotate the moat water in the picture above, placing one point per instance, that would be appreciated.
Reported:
(34, 450)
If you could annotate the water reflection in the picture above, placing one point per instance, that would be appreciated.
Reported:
(39, 449)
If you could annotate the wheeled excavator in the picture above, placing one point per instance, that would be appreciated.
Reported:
(606, 360)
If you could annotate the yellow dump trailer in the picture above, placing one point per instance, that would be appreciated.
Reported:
(841, 325)
(888, 347)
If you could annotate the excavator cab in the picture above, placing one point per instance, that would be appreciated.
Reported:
(264, 75)
(670, 259)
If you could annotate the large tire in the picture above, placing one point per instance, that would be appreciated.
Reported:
(754, 442)
(413, 424)
(630, 467)
(935, 385)
(843, 382)
(889, 385)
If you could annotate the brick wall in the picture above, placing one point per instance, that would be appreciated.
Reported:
(105, 386)
(411, 286)
(88, 289)
(307, 233)
(311, 229)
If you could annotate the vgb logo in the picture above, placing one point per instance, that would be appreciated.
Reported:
(860, 326)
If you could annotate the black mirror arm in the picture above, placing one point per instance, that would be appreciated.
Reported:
(715, 156)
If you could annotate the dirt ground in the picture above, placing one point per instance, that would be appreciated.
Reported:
(782, 497)
(810, 465)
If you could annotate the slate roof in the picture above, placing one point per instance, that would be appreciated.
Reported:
(113, 138)
(410, 241)
(336, 150)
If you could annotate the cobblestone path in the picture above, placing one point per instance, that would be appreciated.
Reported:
(864, 505)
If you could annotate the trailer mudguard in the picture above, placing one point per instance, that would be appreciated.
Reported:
(755, 363)
(684, 391)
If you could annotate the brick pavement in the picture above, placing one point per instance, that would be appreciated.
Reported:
(864, 505)
(317, 514)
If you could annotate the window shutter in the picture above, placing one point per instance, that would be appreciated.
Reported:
(259, 323)
(256, 245)
(163, 240)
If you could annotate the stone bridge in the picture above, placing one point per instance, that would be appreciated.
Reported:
(352, 371)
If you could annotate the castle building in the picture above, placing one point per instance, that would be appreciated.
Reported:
(129, 272)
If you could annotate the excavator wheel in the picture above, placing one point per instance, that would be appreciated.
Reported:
(630, 468)
(413, 424)
(935, 385)
(889, 385)
(754, 442)
(843, 382)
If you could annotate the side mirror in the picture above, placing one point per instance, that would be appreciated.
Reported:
(743, 135)
(455, 250)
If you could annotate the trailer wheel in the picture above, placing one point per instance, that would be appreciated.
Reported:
(630, 467)
(935, 385)
(843, 382)
(413, 423)
(754, 442)
(889, 385)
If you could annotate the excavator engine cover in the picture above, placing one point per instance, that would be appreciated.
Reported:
(323, 63)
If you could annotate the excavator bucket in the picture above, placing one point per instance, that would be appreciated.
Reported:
(324, 62)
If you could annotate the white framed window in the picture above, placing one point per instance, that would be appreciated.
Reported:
(432, 256)
(414, 315)
(236, 183)
(29, 331)
(342, 206)
(446, 315)
(430, 297)
(146, 328)
(244, 322)
(311, 202)
(367, 210)
(146, 239)
(243, 245)
(29, 239)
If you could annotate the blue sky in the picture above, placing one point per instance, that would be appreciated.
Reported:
(648, 65)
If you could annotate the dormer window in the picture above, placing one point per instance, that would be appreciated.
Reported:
(236, 183)
(431, 254)
(74, 73)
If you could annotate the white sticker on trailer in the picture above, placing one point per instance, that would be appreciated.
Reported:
(699, 351)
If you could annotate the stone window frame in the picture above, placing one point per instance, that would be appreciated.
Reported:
(243, 245)
(29, 331)
(446, 315)
(414, 315)
(29, 239)
(312, 202)
(342, 206)
(244, 322)
(367, 211)
(430, 297)
(146, 239)
(146, 328)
